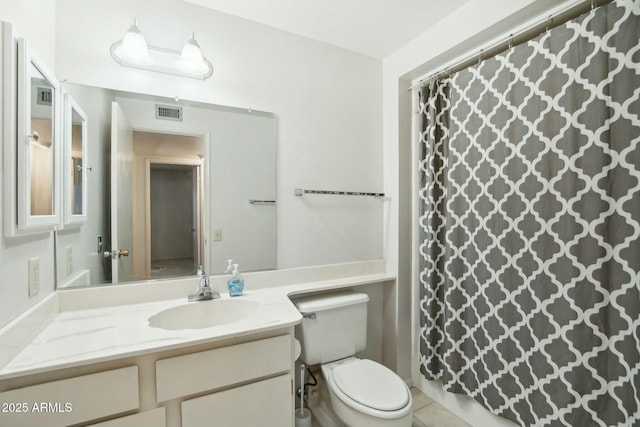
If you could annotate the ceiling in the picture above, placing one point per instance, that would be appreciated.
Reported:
(374, 28)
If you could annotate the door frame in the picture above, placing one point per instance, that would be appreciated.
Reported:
(198, 165)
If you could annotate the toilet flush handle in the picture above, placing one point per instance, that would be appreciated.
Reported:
(308, 315)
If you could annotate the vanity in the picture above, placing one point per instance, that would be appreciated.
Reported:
(91, 365)
(142, 355)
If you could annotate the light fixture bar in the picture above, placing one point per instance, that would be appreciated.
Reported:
(162, 61)
(188, 63)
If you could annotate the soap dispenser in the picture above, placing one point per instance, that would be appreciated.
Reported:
(229, 269)
(236, 283)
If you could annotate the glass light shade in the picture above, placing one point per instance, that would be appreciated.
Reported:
(191, 60)
(134, 46)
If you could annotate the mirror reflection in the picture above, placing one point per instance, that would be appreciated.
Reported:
(174, 218)
(161, 224)
(76, 163)
(168, 189)
(75, 155)
(41, 150)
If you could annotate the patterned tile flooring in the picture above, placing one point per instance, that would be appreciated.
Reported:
(428, 413)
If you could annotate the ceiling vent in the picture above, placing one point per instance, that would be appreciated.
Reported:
(168, 112)
(45, 96)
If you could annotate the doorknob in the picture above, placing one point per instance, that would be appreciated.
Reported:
(116, 254)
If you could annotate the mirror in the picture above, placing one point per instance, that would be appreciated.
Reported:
(75, 161)
(171, 185)
(38, 143)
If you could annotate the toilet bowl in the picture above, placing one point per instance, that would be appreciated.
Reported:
(366, 393)
(363, 393)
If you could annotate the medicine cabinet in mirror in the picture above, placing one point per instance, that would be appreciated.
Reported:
(31, 150)
(75, 165)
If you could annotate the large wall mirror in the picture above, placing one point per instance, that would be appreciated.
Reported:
(170, 185)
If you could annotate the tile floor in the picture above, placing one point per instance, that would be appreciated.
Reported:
(428, 413)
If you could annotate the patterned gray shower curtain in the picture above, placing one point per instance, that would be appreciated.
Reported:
(530, 226)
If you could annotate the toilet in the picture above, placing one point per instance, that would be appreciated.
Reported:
(362, 392)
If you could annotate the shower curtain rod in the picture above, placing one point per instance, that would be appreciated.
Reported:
(512, 39)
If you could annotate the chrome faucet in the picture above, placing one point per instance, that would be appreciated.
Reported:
(204, 291)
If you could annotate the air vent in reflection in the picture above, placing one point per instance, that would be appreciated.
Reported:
(44, 96)
(167, 112)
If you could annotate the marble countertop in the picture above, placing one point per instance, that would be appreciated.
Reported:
(97, 334)
(100, 334)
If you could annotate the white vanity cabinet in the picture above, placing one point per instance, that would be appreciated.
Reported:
(252, 384)
(151, 418)
(259, 404)
(240, 381)
(71, 400)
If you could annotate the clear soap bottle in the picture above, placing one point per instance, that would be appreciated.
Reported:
(235, 285)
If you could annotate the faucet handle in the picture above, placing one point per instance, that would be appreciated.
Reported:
(204, 282)
(204, 291)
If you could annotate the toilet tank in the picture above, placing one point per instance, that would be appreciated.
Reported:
(334, 326)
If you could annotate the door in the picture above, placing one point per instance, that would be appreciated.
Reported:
(121, 195)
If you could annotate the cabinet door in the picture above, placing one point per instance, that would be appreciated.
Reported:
(267, 403)
(183, 375)
(152, 418)
(31, 139)
(38, 145)
(72, 400)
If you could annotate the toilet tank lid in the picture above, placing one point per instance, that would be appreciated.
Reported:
(329, 301)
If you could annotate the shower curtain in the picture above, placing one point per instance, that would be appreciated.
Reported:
(530, 226)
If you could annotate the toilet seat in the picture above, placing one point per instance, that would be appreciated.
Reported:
(371, 385)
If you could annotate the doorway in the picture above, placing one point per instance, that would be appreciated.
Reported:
(174, 248)
(168, 204)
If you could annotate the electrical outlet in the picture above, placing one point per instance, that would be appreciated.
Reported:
(217, 234)
(34, 276)
(69, 258)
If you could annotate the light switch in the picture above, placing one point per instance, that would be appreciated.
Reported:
(34, 276)
(217, 234)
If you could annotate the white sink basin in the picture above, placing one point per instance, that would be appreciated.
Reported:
(203, 314)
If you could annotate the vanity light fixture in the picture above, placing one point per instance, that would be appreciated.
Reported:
(133, 51)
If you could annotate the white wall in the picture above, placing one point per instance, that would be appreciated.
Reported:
(327, 101)
(474, 25)
(39, 29)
